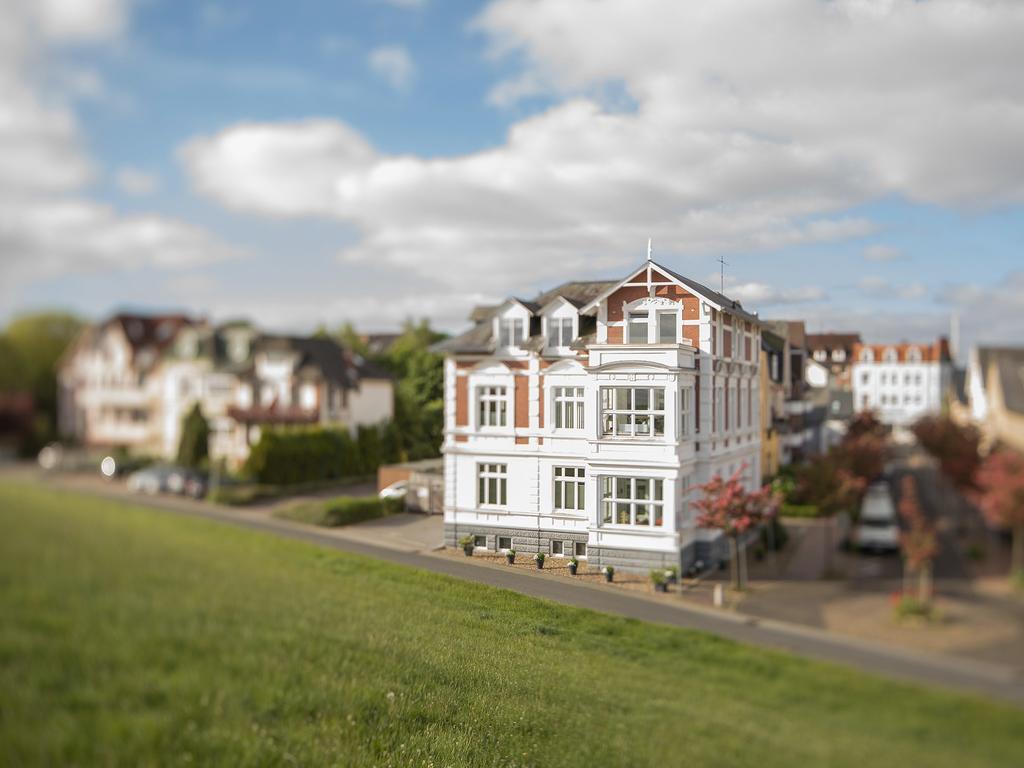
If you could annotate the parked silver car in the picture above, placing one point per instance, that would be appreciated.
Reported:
(878, 527)
(152, 480)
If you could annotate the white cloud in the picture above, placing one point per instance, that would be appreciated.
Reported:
(393, 64)
(47, 223)
(727, 145)
(882, 252)
(136, 182)
(879, 287)
(761, 294)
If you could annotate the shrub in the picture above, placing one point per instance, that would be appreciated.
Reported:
(799, 510)
(344, 510)
(285, 457)
(657, 576)
(910, 607)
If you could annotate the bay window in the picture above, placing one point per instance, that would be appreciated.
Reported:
(637, 501)
(569, 488)
(493, 406)
(568, 407)
(685, 412)
(492, 484)
(633, 411)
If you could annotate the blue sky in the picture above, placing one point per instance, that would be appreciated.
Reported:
(870, 181)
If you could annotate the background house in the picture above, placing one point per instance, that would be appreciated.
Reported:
(129, 382)
(902, 382)
(995, 394)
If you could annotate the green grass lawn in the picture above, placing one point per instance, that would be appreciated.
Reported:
(130, 636)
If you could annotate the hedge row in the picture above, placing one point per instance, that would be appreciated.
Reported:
(344, 510)
(288, 457)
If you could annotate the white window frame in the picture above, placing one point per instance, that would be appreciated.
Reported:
(568, 406)
(492, 406)
(622, 497)
(559, 332)
(630, 416)
(566, 482)
(867, 356)
(890, 356)
(492, 485)
(634, 317)
(498, 543)
(685, 412)
(511, 332)
(839, 355)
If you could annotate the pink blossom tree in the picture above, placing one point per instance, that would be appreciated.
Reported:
(1000, 481)
(919, 542)
(727, 507)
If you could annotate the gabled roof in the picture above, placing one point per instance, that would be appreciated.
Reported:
(701, 290)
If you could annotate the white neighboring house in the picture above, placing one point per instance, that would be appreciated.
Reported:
(242, 379)
(576, 423)
(107, 388)
(901, 382)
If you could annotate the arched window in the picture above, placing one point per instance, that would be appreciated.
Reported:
(867, 356)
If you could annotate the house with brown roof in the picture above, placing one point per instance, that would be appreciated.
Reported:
(902, 382)
(576, 422)
(127, 383)
(834, 351)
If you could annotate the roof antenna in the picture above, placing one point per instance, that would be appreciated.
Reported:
(721, 260)
(648, 249)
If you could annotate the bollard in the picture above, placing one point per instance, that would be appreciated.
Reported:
(719, 596)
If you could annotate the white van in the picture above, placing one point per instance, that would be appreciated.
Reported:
(877, 528)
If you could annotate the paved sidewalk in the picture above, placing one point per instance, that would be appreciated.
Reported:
(966, 675)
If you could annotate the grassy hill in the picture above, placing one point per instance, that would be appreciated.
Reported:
(129, 636)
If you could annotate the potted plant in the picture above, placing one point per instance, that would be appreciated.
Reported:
(657, 577)
(609, 572)
(672, 574)
(573, 565)
(539, 559)
(467, 542)
(510, 555)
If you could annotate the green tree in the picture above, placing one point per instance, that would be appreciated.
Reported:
(30, 348)
(194, 448)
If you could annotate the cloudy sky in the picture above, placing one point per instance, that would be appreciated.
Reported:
(857, 163)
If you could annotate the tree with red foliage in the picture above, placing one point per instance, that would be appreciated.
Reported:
(1000, 482)
(864, 423)
(919, 542)
(727, 507)
(955, 447)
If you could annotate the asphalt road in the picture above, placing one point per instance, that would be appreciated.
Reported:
(955, 673)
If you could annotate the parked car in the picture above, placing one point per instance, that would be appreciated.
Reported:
(153, 479)
(878, 527)
(187, 482)
(395, 490)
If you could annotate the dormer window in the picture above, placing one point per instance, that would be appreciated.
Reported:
(511, 332)
(839, 355)
(867, 356)
(560, 331)
(890, 355)
(914, 355)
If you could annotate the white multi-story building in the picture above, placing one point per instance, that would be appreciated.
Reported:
(129, 382)
(577, 423)
(901, 382)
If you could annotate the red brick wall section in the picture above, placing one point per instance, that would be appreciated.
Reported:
(462, 401)
(615, 334)
(747, 351)
(727, 343)
(623, 295)
(540, 384)
(522, 441)
(522, 401)
(692, 333)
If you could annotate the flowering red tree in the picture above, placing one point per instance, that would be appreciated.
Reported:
(727, 507)
(919, 543)
(954, 446)
(1000, 481)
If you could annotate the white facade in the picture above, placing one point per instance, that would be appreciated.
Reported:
(566, 447)
(901, 383)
